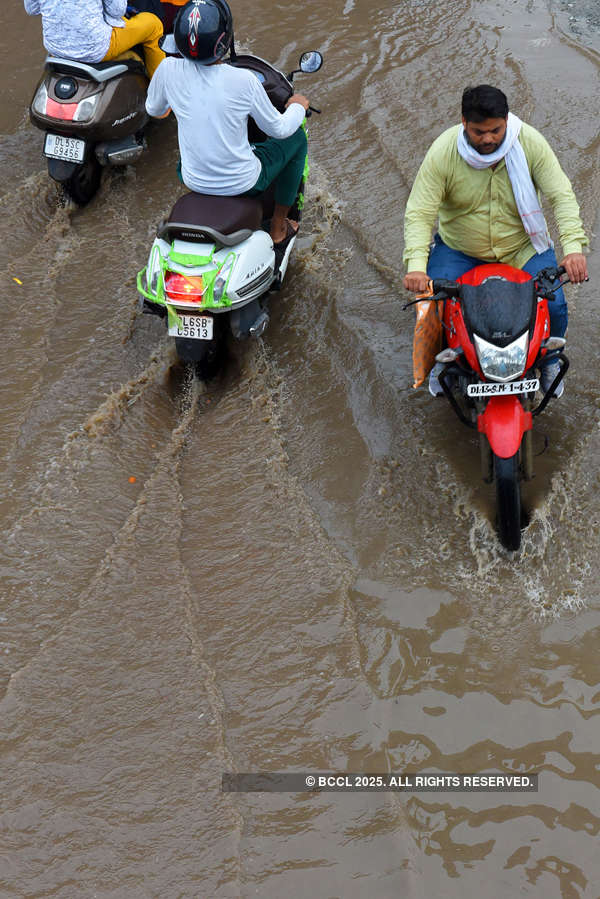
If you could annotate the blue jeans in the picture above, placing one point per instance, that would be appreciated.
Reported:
(444, 262)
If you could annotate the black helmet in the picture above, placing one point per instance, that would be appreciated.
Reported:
(202, 31)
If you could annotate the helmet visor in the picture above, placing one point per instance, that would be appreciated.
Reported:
(167, 43)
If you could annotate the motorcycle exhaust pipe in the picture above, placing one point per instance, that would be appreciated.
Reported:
(119, 152)
(257, 329)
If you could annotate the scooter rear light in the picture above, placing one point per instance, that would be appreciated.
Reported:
(64, 111)
(85, 109)
(223, 276)
(40, 99)
(184, 288)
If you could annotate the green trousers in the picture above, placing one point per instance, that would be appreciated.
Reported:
(282, 161)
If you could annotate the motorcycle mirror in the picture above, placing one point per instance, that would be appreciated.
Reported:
(554, 343)
(448, 355)
(311, 61)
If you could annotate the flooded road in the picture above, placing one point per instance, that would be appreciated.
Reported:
(293, 568)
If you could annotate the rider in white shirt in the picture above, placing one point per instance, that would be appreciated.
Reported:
(212, 102)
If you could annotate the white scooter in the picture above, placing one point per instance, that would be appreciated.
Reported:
(212, 263)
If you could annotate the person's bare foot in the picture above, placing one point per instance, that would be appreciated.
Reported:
(282, 232)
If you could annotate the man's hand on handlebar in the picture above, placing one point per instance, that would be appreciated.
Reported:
(298, 98)
(417, 282)
(576, 267)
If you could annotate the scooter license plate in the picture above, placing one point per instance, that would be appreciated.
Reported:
(196, 327)
(488, 388)
(70, 149)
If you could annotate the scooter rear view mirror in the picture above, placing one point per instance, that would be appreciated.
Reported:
(311, 61)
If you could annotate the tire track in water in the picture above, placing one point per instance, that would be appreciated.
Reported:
(104, 420)
(25, 315)
(63, 239)
(262, 394)
(296, 498)
(267, 382)
(168, 458)
(209, 680)
(30, 205)
(155, 518)
(111, 411)
(64, 528)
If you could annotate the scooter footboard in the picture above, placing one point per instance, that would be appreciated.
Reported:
(504, 422)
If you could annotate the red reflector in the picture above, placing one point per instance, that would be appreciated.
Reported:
(178, 287)
(64, 111)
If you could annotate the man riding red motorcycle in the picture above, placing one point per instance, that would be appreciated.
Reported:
(481, 178)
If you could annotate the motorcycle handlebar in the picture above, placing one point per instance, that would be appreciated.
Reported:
(441, 288)
(546, 281)
(453, 289)
(551, 273)
(442, 285)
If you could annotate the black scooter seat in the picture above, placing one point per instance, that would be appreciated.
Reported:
(201, 217)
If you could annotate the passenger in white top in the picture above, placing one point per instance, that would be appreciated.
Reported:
(212, 102)
(95, 30)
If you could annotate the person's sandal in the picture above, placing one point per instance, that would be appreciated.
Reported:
(282, 245)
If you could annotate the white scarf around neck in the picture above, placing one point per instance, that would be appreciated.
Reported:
(525, 194)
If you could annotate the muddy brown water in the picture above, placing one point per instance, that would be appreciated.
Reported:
(303, 575)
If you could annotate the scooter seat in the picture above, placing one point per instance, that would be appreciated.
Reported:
(225, 214)
(228, 220)
(97, 71)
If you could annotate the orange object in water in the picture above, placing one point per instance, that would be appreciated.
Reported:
(132, 480)
(427, 339)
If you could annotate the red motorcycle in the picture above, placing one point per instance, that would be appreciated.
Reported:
(497, 331)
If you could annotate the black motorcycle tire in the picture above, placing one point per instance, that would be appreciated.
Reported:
(210, 366)
(508, 501)
(84, 182)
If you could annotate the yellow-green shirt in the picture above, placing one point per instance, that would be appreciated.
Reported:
(476, 207)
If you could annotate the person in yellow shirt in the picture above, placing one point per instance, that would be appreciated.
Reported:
(481, 181)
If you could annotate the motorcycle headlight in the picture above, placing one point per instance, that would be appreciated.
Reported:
(85, 109)
(502, 363)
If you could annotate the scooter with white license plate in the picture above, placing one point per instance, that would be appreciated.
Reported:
(213, 262)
